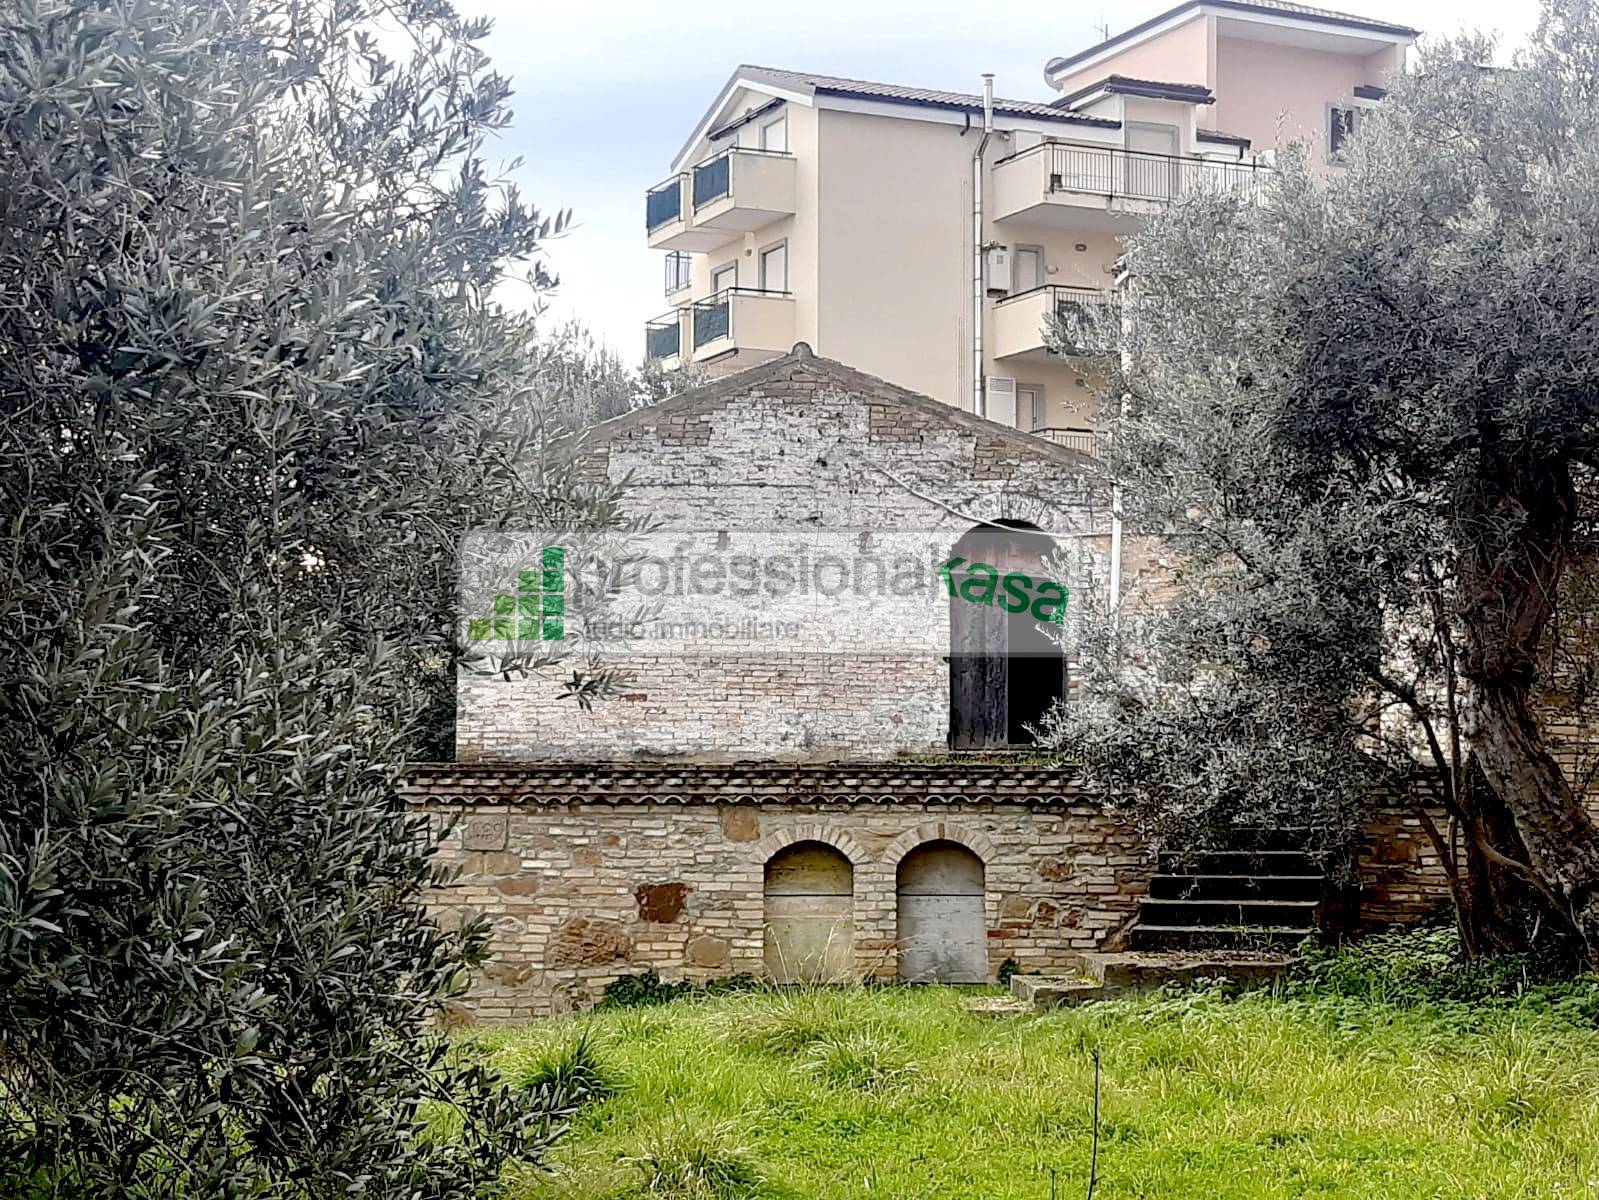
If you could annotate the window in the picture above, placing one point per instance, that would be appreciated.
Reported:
(1029, 406)
(679, 271)
(724, 277)
(1342, 122)
(1027, 268)
(774, 268)
(774, 132)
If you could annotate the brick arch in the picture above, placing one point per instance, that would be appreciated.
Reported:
(763, 850)
(977, 842)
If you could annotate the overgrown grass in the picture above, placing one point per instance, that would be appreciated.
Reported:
(887, 1093)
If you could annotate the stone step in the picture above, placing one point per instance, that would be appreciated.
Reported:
(996, 1006)
(1294, 914)
(1237, 862)
(1131, 972)
(1257, 837)
(1237, 887)
(1203, 937)
(1055, 991)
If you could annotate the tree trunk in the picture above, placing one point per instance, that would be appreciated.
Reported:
(1514, 530)
(1500, 910)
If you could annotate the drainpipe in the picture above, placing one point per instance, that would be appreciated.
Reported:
(1123, 288)
(977, 243)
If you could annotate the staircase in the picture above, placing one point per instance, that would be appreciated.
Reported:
(1264, 891)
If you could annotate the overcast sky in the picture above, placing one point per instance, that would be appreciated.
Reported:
(607, 90)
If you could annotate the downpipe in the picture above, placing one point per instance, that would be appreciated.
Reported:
(977, 243)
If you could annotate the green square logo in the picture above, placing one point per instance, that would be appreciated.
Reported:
(537, 610)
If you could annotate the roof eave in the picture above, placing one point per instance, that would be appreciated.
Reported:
(1062, 64)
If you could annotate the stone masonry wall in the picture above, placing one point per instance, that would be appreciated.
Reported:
(595, 872)
(1402, 880)
(800, 445)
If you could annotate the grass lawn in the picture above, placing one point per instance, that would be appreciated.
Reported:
(897, 1094)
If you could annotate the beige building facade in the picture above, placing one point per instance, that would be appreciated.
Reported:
(929, 237)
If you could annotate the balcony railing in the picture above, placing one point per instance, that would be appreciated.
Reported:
(663, 337)
(679, 271)
(713, 180)
(1137, 175)
(714, 318)
(1084, 320)
(663, 203)
(1084, 441)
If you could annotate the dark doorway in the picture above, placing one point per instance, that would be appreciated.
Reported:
(1006, 668)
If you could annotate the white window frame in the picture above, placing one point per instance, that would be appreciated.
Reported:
(762, 127)
(760, 264)
(1015, 264)
(727, 268)
(1356, 106)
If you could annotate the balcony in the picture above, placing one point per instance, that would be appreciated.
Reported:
(749, 321)
(1086, 315)
(663, 337)
(1079, 438)
(667, 222)
(1103, 187)
(743, 189)
(679, 273)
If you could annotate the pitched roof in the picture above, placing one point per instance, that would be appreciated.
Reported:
(1152, 89)
(1216, 135)
(1323, 16)
(802, 360)
(893, 93)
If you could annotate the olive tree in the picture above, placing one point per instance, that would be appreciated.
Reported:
(252, 391)
(1360, 413)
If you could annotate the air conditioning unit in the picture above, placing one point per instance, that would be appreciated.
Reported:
(999, 399)
(997, 268)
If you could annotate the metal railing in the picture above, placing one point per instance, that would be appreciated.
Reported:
(1084, 441)
(663, 337)
(679, 271)
(713, 319)
(1138, 175)
(1084, 314)
(713, 178)
(713, 316)
(663, 203)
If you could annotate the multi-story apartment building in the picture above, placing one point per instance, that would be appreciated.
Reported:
(927, 237)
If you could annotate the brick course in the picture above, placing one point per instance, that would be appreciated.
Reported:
(571, 863)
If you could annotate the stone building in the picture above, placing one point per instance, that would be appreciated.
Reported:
(849, 796)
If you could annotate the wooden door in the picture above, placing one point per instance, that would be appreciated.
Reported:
(943, 931)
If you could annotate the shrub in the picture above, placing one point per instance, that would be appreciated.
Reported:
(648, 988)
(864, 1059)
(1426, 965)
(684, 1159)
(570, 1069)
